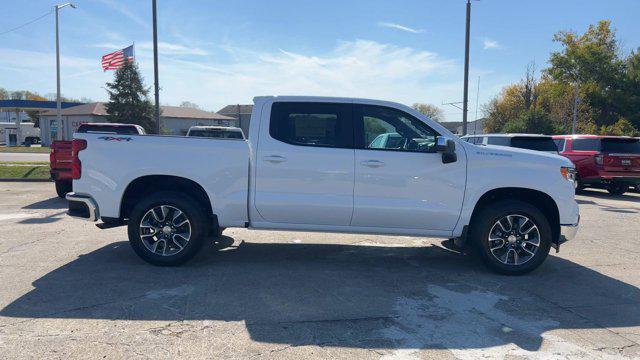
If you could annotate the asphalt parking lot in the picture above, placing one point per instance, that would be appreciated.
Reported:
(72, 290)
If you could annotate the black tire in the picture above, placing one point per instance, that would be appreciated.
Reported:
(194, 213)
(617, 188)
(63, 187)
(484, 221)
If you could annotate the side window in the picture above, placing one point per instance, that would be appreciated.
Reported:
(559, 144)
(312, 124)
(586, 144)
(383, 128)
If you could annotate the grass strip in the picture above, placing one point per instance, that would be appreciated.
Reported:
(24, 172)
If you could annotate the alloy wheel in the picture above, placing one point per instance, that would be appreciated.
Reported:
(514, 239)
(165, 230)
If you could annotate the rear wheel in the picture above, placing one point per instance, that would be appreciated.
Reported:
(617, 188)
(63, 187)
(512, 237)
(167, 228)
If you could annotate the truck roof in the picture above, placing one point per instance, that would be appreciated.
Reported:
(589, 136)
(511, 135)
(212, 127)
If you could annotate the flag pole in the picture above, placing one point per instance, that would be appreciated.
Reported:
(155, 65)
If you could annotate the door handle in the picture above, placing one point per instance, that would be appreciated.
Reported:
(274, 159)
(372, 163)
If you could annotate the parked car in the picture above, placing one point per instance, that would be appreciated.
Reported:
(60, 159)
(221, 132)
(308, 165)
(608, 162)
(524, 141)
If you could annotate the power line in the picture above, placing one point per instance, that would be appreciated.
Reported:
(27, 23)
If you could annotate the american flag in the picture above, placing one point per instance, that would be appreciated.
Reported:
(116, 59)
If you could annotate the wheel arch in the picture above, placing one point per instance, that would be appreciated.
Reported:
(537, 198)
(148, 184)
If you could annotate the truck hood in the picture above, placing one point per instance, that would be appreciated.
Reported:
(524, 155)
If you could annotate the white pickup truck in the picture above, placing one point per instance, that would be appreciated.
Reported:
(318, 164)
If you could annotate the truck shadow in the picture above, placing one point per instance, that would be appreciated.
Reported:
(52, 203)
(358, 296)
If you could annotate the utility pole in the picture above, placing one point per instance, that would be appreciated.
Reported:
(465, 100)
(155, 66)
(59, 126)
(576, 100)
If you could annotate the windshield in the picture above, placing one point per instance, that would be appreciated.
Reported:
(216, 134)
(622, 146)
(120, 130)
(534, 143)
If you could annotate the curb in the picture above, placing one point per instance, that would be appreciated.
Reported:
(25, 180)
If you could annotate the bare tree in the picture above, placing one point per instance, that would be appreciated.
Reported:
(431, 111)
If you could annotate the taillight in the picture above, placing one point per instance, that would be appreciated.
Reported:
(599, 160)
(52, 155)
(77, 145)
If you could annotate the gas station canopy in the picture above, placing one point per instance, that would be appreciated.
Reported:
(33, 105)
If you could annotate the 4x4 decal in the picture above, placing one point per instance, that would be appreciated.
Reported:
(114, 138)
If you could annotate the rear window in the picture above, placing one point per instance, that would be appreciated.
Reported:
(622, 146)
(534, 143)
(586, 144)
(224, 134)
(120, 130)
(312, 124)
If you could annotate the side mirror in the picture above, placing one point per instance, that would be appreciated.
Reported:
(447, 147)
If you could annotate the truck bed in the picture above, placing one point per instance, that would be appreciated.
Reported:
(111, 162)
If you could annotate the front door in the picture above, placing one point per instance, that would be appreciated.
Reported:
(400, 181)
(304, 165)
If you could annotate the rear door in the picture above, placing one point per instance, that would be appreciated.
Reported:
(403, 183)
(304, 164)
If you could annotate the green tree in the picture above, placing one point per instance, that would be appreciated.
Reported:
(622, 127)
(129, 98)
(431, 111)
(592, 61)
(533, 121)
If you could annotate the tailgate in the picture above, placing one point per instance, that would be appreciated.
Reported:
(61, 155)
(621, 154)
(621, 162)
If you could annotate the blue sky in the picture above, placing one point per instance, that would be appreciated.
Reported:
(216, 52)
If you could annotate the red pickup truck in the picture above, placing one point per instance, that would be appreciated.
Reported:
(609, 162)
(60, 157)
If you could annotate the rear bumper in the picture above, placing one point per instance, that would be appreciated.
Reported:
(605, 177)
(568, 232)
(82, 207)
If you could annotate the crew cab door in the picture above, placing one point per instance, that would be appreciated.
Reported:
(304, 164)
(403, 182)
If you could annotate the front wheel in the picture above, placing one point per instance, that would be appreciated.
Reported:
(167, 228)
(512, 237)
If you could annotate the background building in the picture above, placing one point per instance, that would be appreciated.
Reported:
(174, 120)
(240, 112)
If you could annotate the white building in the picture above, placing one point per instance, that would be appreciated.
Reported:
(173, 119)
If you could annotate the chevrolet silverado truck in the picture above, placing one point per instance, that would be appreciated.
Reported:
(316, 164)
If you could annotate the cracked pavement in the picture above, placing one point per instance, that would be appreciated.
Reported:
(71, 290)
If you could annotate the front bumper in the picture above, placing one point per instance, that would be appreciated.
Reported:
(568, 232)
(82, 207)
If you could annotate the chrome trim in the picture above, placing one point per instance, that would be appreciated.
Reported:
(94, 213)
(568, 232)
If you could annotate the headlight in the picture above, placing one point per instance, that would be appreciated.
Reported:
(568, 173)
